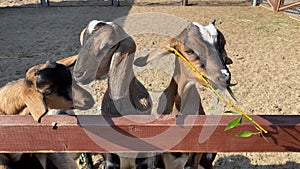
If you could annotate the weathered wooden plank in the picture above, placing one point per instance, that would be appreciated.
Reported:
(291, 5)
(146, 133)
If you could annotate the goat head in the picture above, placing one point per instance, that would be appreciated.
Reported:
(204, 47)
(49, 87)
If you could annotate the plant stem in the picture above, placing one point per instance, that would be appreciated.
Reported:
(215, 91)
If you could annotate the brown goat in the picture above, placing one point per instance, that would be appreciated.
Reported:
(108, 50)
(46, 86)
(203, 46)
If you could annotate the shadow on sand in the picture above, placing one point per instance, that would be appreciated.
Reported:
(243, 162)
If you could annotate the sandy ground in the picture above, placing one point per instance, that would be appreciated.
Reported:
(263, 46)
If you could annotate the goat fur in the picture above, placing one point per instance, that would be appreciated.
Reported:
(109, 49)
(25, 96)
(46, 86)
(203, 46)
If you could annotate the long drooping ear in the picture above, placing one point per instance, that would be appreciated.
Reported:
(154, 54)
(82, 99)
(120, 72)
(97, 51)
(158, 52)
(35, 103)
(68, 61)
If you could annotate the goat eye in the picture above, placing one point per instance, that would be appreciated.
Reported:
(189, 52)
(47, 91)
(37, 73)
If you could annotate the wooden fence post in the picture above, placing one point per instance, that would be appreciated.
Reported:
(43, 3)
(184, 2)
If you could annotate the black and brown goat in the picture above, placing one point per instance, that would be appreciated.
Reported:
(46, 86)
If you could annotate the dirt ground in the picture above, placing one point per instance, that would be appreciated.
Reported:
(264, 47)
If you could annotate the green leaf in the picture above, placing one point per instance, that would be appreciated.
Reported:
(246, 134)
(230, 111)
(233, 123)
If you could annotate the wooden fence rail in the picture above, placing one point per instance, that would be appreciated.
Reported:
(135, 133)
(278, 5)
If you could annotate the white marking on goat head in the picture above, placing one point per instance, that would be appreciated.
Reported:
(226, 73)
(209, 33)
(109, 50)
(92, 25)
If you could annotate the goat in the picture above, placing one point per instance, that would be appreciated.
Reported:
(108, 50)
(46, 86)
(203, 46)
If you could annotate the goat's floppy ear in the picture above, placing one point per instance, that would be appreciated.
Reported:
(121, 78)
(68, 61)
(157, 53)
(35, 103)
(120, 74)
